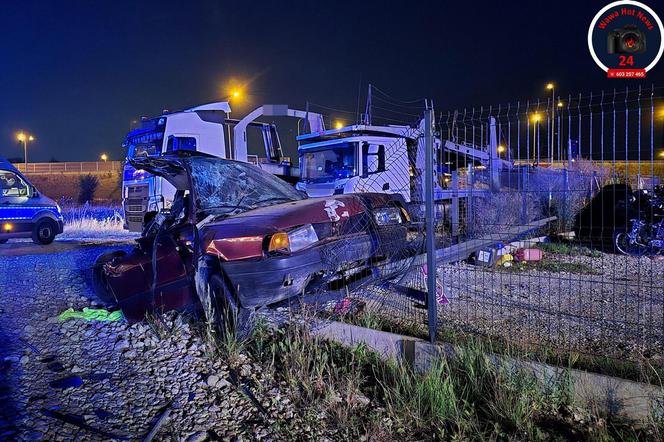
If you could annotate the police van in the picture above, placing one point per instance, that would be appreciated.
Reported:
(24, 212)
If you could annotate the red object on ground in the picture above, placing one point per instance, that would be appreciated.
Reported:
(528, 255)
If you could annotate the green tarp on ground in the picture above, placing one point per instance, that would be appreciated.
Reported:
(91, 314)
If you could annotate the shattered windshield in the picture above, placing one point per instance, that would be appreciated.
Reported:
(230, 187)
(329, 163)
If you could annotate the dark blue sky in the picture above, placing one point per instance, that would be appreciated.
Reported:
(76, 73)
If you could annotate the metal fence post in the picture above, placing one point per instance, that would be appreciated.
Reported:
(455, 203)
(430, 233)
(524, 196)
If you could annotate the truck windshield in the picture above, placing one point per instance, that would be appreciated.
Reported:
(329, 163)
(145, 145)
(146, 141)
(231, 187)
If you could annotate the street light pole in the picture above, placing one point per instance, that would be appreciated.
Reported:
(24, 138)
(535, 142)
(553, 109)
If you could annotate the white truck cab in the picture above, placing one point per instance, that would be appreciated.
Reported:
(361, 158)
(200, 128)
(205, 128)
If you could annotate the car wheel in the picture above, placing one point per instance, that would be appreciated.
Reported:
(44, 232)
(99, 283)
(230, 317)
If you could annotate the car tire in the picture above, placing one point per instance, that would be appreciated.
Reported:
(99, 282)
(230, 316)
(44, 232)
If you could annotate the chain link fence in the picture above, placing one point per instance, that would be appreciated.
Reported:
(547, 227)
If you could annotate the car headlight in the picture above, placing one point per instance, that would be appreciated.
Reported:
(388, 215)
(295, 240)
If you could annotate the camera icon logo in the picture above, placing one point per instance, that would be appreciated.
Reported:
(627, 40)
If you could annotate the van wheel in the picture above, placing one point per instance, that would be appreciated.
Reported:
(231, 319)
(99, 282)
(44, 232)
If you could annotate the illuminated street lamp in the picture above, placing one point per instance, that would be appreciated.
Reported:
(235, 94)
(104, 157)
(338, 124)
(23, 137)
(501, 149)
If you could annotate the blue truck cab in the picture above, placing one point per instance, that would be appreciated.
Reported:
(24, 212)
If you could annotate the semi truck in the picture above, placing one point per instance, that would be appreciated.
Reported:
(206, 128)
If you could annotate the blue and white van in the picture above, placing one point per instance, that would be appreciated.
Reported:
(24, 212)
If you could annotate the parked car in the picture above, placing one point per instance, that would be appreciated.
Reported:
(24, 212)
(237, 238)
(609, 215)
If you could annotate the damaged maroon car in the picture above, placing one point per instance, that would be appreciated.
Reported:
(237, 238)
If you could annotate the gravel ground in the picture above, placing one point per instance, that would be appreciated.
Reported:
(615, 309)
(128, 374)
(99, 380)
(611, 305)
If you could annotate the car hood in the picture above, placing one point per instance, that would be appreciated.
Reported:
(242, 236)
(279, 217)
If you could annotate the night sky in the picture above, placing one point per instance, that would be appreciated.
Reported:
(76, 74)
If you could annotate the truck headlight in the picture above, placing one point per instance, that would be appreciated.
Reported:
(388, 215)
(295, 240)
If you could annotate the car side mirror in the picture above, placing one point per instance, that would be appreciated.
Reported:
(35, 193)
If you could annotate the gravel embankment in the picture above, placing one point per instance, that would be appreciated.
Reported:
(128, 374)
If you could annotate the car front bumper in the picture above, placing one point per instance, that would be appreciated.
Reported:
(270, 280)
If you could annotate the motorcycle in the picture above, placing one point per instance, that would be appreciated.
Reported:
(644, 237)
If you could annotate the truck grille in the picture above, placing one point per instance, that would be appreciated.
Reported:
(135, 205)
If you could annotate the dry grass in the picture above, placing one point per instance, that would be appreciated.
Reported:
(88, 222)
(352, 394)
